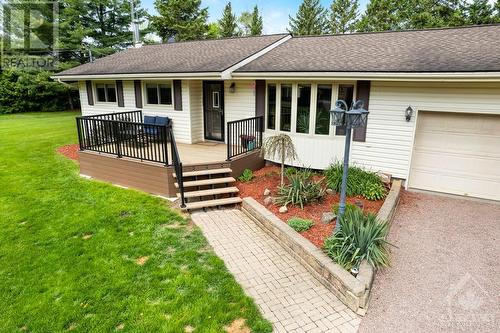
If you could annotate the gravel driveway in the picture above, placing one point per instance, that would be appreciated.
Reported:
(445, 274)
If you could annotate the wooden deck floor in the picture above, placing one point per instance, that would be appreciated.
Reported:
(203, 152)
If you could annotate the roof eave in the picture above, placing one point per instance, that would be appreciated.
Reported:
(138, 76)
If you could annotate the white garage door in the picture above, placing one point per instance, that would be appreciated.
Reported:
(458, 154)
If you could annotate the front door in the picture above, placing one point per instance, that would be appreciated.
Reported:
(213, 110)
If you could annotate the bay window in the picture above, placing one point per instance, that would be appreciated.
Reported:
(323, 106)
(303, 108)
(286, 108)
(346, 93)
(271, 106)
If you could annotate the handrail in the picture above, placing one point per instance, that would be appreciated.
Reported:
(177, 165)
(244, 135)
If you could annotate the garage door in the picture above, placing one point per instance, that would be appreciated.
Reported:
(458, 154)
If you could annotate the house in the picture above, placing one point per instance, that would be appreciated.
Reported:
(433, 97)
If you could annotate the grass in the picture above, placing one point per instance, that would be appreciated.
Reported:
(70, 248)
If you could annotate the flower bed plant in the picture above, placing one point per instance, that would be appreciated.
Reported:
(359, 182)
(300, 190)
(299, 224)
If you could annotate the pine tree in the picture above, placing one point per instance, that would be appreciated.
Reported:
(343, 16)
(479, 12)
(257, 23)
(228, 24)
(497, 9)
(382, 15)
(310, 19)
(180, 20)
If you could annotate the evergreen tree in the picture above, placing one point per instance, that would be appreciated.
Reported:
(213, 31)
(343, 16)
(310, 19)
(382, 15)
(479, 12)
(180, 20)
(251, 23)
(257, 23)
(435, 14)
(497, 9)
(228, 24)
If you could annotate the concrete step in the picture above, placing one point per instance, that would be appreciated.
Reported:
(213, 203)
(203, 182)
(215, 191)
(204, 172)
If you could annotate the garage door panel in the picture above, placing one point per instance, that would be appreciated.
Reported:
(458, 154)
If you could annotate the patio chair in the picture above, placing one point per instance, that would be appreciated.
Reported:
(152, 131)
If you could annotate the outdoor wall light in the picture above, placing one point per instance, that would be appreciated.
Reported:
(232, 88)
(408, 113)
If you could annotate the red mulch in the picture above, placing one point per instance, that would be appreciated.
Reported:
(268, 177)
(70, 151)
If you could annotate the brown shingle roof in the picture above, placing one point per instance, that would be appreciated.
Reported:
(182, 57)
(464, 49)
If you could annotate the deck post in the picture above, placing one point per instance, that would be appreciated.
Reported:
(117, 138)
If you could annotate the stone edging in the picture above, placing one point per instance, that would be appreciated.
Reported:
(352, 291)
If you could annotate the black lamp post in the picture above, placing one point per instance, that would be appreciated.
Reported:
(353, 118)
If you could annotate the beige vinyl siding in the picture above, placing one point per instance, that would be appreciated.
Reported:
(181, 119)
(196, 110)
(389, 137)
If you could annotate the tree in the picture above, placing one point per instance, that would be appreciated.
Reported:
(228, 24)
(180, 20)
(497, 9)
(251, 23)
(382, 15)
(343, 16)
(479, 12)
(280, 145)
(310, 19)
(213, 31)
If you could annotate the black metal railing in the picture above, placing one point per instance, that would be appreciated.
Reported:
(176, 161)
(130, 116)
(244, 136)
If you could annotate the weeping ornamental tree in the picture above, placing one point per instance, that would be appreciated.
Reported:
(280, 145)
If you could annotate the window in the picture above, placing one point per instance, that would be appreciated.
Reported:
(346, 93)
(286, 107)
(215, 99)
(106, 92)
(303, 107)
(271, 106)
(323, 106)
(159, 93)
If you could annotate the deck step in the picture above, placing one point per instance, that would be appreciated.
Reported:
(213, 203)
(215, 191)
(203, 182)
(204, 172)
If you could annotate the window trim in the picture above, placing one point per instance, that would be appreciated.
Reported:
(106, 102)
(157, 82)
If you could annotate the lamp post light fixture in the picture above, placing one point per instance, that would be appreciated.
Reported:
(353, 118)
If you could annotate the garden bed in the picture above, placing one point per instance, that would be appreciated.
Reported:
(70, 151)
(269, 178)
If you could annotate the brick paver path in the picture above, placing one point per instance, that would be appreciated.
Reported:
(287, 294)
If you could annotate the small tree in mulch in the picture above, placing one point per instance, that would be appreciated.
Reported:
(280, 145)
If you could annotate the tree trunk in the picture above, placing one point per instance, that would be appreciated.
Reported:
(282, 161)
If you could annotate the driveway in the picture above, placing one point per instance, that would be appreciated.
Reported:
(445, 274)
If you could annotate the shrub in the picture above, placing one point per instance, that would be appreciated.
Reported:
(348, 206)
(300, 190)
(246, 176)
(289, 171)
(299, 224)
(361, 236)
(359, 182)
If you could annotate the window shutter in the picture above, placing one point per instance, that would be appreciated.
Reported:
(177, 95)
(260, 97)
(138, 94)
(363, 92)
(119, 93)
(90, 94)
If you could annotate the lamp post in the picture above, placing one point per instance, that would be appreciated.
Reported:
(353, 118)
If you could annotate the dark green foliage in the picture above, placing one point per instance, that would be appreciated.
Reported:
(300, 190)
(361, 237)
(289, 171)
(251, 23)
(25, 91)
(310, 19)
(246, 176)
(359, 182)
(180, 20)
(228, 24)
(343, 16)
(299, 224)
(348, 207)
(479, 12)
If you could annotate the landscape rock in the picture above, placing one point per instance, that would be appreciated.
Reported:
(328, 217)
(268, 201)
(330, 191)
(359, 204)
(267, 192)
(283, 209)
(384, 177)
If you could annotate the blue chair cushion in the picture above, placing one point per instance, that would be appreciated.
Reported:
(149, 120)
(162, 121)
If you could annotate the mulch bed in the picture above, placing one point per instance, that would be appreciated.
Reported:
(70, 151)
(269, 177)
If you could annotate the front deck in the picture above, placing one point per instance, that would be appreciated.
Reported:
(133, 154)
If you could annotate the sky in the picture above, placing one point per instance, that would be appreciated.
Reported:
(274, 12)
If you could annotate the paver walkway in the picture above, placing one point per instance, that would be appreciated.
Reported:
(287, 294)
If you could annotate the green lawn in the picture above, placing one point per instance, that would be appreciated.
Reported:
(69, 248)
